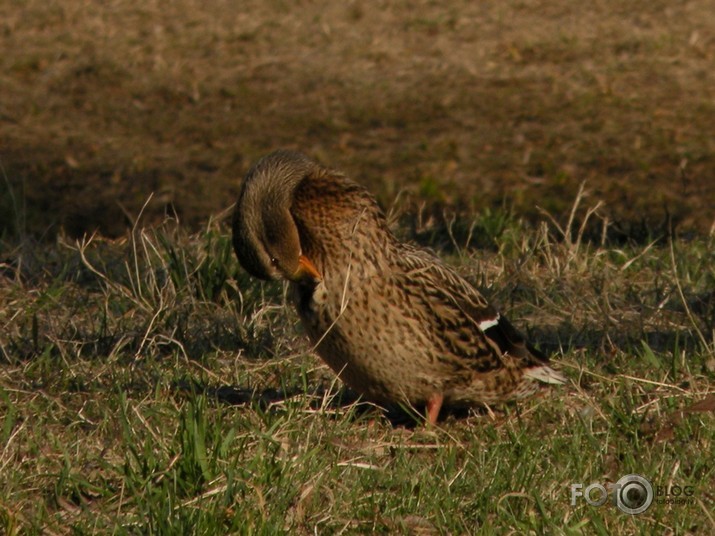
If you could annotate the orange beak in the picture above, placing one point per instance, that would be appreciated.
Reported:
(306, 269)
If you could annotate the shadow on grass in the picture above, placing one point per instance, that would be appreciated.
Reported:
(567, 338)
(344, 401)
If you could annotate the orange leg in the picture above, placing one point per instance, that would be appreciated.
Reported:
(434, 404)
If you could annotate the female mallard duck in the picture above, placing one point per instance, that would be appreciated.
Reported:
(394, 322)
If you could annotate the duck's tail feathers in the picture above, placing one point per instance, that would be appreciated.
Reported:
(545, 374)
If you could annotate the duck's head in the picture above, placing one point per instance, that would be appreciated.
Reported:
(265, 236)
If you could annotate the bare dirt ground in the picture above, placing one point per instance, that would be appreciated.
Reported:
(465, 104)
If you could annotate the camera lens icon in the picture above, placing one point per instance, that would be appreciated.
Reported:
(634, 494)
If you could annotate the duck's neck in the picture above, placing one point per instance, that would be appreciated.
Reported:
(340, 225)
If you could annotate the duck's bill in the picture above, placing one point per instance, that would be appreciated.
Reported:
(307, 270)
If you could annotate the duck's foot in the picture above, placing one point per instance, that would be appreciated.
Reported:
(434, 404)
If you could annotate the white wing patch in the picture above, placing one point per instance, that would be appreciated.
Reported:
(486, 324)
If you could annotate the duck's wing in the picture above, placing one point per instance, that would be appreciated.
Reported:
(472, 330)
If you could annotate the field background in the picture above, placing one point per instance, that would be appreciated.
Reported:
(475, 104)
(561, 156)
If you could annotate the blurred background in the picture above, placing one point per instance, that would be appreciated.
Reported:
(457, 105)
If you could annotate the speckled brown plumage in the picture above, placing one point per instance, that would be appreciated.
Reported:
(393, 321)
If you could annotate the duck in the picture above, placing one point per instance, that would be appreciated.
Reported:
(393, 321)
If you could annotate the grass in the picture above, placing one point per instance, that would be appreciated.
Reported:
(149, 386)
(468, 104)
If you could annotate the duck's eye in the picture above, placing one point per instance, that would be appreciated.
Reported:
(274, 261)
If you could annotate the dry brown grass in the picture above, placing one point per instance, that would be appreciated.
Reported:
(116, 356)
(466, 103)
